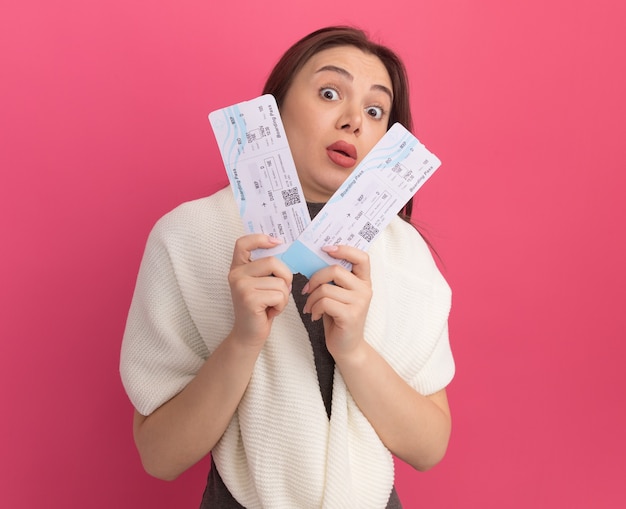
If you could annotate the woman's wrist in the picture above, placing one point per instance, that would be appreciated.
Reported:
(353, 358)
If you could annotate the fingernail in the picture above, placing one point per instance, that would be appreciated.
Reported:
(275, 240)
(305, 289)
(329, 249)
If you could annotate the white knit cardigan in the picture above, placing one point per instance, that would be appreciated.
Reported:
(280, 450)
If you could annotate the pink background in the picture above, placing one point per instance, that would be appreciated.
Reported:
(103, 129)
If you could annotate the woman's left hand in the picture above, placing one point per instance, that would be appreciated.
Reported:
(343, 305)
(413, 427)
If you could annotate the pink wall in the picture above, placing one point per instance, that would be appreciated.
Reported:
(103, 129)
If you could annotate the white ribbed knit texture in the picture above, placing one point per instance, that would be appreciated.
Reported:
(280, 449)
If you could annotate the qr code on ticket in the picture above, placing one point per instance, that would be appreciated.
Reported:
(368, 232)
(291, 197)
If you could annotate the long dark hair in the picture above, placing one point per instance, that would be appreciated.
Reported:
(296, 56)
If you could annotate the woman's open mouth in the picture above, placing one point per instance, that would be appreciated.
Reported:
(342, 154)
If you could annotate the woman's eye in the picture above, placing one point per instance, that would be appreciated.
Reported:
(375, 112)
(329, 94)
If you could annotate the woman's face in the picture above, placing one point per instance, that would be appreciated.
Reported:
(335, 111)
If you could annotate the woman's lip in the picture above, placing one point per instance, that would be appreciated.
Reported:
(342, 154)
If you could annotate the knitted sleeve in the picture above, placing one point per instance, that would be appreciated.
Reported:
(439, 368)
(161, 349)
(418, 314)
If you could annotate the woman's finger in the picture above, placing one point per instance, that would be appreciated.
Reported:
(248, 243)
(359, 259)
(339, 275)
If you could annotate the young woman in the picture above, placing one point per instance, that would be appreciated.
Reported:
(301, 390)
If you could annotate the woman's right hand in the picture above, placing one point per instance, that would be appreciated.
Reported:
(259, 289)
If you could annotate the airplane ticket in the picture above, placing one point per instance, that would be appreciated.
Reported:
(252, 141)
(366, 202)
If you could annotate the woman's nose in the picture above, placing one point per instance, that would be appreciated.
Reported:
(350, 119)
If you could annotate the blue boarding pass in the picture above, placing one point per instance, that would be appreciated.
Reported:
(261, 171)
(366, 202)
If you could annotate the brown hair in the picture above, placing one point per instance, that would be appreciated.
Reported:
(296, 56)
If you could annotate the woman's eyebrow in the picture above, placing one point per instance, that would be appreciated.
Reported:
(337, 69)
(346, 74)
